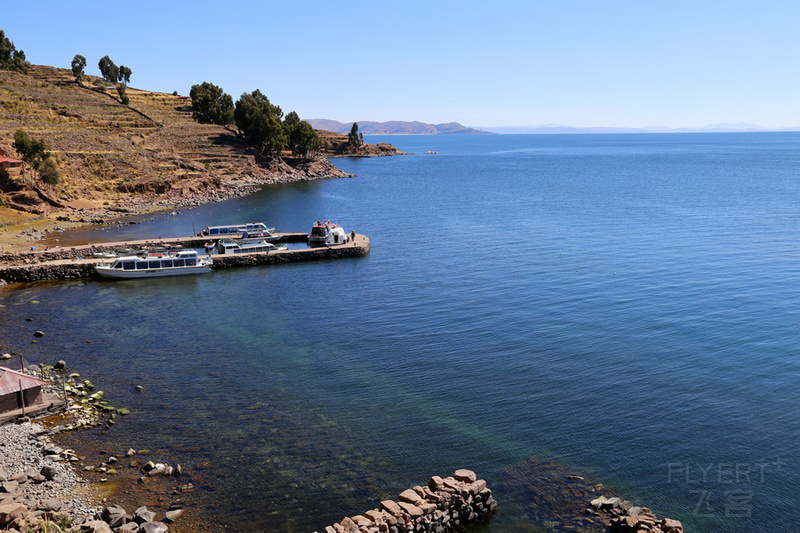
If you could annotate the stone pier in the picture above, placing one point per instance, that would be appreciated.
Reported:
(72, 263)
(445, 505)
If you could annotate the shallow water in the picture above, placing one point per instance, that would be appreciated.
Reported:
(624, 304)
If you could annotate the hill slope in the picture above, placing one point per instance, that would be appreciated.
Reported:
(127, 157)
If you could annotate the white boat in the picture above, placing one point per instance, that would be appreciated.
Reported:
(327, 233)
(243, 246)
(154, 265)
(251, 229)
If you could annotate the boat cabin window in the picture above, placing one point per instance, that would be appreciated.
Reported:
(179, 262)
(117, 265)
(191, 261)
(129, 265)
(141, 265)
(154, 264)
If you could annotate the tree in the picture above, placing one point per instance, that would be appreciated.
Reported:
(10, 57)
(302, 139)
(35, 154)
(124, 74)
(355, 139)
(78, 64)
(260, 122)
(31, 151)
(108, 69)
(123, 96)
(48, 171)
(210, 105)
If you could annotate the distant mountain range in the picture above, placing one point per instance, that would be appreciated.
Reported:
(394, 127)
(398, 127)
(560, 128)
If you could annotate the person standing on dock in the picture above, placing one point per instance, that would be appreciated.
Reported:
(353, 237)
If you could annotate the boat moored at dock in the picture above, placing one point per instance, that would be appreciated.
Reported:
(327, 233)
(153, 265)
(251, 229)
(244, 246)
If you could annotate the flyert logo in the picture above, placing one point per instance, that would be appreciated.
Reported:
(723, 489)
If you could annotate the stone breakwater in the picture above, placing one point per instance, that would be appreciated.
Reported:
(629, 518)
(445, 505)
(69, 269)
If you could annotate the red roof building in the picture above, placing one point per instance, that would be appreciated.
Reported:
(12, 166)
(18, 390)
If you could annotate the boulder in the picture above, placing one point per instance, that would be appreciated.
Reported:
(93, 526)
(9, 486)
(610, 503)
(157, 470)
(435, 483)
(173, 514)
(412, 510)
(154, 527)
(467, 476)
(348, 525)
(130, 527)
(142, 515)
(49, 472)
(12, 511)
(669, 525)
(391, 507)
(409, 496)
(52, 505)
(477, 486)
(375, 515)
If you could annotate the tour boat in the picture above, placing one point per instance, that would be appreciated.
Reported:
(243, 246)
(251, 229)
(154, 265)
(327, 233)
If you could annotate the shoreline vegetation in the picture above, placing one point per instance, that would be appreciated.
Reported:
(74, 152)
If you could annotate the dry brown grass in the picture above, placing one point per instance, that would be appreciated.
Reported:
(104, 147)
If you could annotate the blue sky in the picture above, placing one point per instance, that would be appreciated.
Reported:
(621, 63)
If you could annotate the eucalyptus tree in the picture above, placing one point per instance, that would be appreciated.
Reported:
(259, 121)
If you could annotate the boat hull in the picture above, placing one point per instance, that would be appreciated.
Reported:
(116, 273)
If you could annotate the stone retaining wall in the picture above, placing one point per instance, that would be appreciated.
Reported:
(444, 505)
(24, 273)
(289, 256)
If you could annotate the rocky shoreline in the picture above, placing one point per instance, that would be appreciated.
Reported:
(40, 490)
(53, 220)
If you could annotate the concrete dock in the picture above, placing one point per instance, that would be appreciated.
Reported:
(74, 262)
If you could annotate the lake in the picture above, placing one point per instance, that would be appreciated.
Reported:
(624, 305)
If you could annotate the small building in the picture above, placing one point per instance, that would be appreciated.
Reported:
(18, 390)
(12, 166)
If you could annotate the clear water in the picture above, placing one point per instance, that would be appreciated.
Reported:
(625, 304)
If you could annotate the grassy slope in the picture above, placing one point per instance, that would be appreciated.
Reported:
(111, 154)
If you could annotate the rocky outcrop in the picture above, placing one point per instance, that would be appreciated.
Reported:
(629, 518)
(446, 504)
